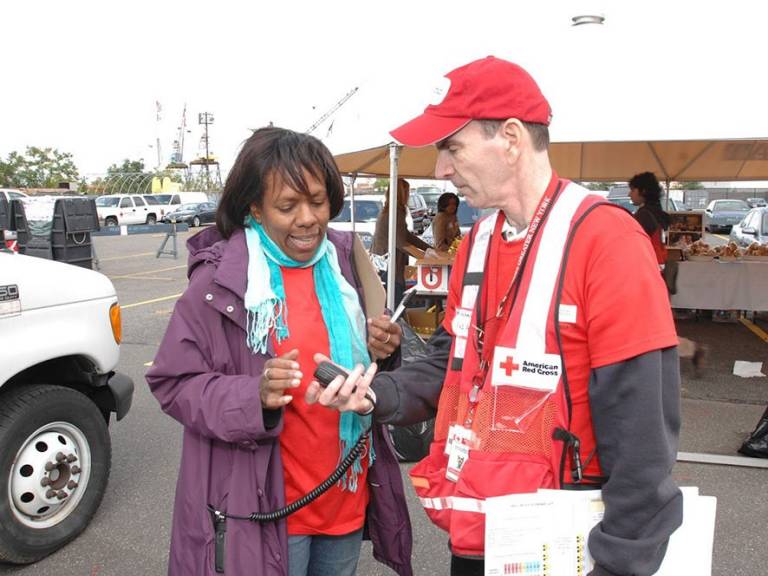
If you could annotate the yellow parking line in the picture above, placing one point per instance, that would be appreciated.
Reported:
(726, 238)
(162, 299)
(124, 257)
(148, 272)
(759, 332)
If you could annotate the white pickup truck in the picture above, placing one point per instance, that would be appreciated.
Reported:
(59, 345)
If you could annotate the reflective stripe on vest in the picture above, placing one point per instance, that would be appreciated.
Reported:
(541, 290)
(473, 276)
(454, 503)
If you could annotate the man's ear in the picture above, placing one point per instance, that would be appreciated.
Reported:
(513, 133)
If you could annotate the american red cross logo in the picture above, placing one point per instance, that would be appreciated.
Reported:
(509, 365)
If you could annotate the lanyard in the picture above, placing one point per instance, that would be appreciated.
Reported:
(478, 380)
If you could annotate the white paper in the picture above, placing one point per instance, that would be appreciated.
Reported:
(748, 369)
(545, 534)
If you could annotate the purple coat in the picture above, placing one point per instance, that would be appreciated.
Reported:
(205, 377)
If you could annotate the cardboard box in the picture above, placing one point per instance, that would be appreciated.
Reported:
(424, 321)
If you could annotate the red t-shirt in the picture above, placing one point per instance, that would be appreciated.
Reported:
(612, 279)
(310, 438)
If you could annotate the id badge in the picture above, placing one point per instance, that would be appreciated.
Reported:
(461, 321)
(456, 460)
(457, 435)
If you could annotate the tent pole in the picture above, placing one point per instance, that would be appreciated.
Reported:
(666, 208)
(394, 155)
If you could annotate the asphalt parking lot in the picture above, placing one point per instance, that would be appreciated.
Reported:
(130, 533)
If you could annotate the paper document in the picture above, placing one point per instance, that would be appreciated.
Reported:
(546, 534)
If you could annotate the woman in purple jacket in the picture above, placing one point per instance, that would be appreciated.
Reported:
(269, 287)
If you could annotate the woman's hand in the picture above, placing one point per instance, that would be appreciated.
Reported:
(280, 374)
(383, 336)
(343, 395)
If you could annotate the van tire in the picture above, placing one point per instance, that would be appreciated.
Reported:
(151, 219)
(31, 417)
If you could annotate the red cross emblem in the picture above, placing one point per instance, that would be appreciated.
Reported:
(509, 365)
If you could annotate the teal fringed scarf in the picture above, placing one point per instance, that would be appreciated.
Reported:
(344, 318)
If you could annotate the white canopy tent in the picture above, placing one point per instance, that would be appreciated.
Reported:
(670, 160)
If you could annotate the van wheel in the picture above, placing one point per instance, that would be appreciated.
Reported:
(110, 221)
(55, 459)
(151, 219)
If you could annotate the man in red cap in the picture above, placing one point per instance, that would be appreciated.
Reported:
(556, 364)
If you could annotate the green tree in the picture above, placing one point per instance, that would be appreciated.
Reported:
(381, 184)
(130, 177)
(127, 167)
(691, 185)
(38, 168)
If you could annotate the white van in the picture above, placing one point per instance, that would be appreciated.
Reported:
(173, 200)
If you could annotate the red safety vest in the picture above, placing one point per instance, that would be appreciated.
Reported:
(505, 429)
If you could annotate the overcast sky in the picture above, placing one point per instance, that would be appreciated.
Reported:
(84, 76)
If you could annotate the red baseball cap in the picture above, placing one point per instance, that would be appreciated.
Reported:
(486, 89)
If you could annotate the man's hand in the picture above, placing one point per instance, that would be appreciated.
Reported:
(383, 336)
(343, 395)
(280, 375)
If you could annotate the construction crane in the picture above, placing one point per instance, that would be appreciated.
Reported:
(333, 109)
(177, 159)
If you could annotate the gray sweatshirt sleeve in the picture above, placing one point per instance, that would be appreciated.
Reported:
(410, 393)
(635, 408)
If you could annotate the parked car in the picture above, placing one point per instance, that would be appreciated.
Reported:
(419, 212)
(171, 201)
(58, 390)
(367, 209)
(757, 202)
(431, 194)
(671, 206)
(194, 214)
(11, 194)
(753, 228)
(721, 215)
(117, 209)
(624, 202)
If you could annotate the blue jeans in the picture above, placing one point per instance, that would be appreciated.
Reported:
(324, 555)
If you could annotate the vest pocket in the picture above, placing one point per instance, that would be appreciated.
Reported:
(485, 475)
(432, 487)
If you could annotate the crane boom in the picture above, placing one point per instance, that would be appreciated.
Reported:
(333, 109)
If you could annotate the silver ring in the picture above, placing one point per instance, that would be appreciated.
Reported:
(389, 337)
(266, 373)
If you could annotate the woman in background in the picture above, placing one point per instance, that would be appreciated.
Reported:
(445, 226)
(403, 237)
(645, 192)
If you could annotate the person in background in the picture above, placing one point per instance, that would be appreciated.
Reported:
(404, 239)
(556, 365)
(645, 193)
(445, 226)
(270, 286)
